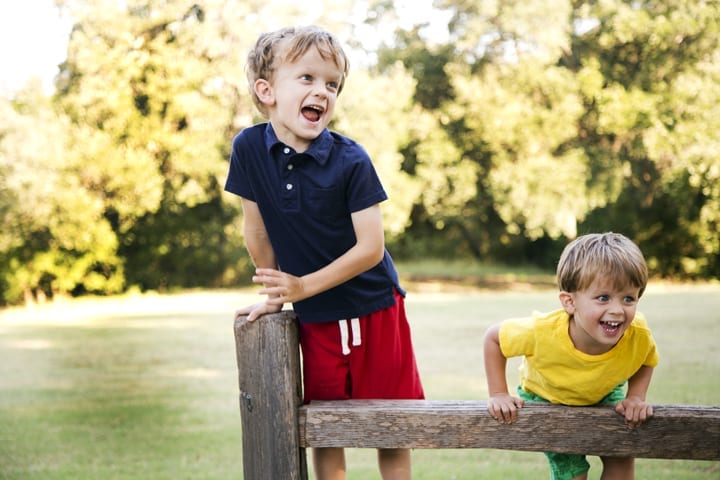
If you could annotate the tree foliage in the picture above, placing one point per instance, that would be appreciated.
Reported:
(528, 123)
(578, 116)
(652, 116)
(54, 236)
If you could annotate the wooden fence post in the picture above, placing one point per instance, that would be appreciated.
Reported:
(270, 393)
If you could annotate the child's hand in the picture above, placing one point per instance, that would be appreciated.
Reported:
(280, 287)
(254, 311)
(635, 409)
(504, 408)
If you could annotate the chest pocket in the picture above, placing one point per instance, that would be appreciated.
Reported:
(325, 203)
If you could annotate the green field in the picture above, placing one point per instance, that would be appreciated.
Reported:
(145, 386)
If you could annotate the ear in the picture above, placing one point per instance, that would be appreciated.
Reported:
(264, 92)
(567, 301)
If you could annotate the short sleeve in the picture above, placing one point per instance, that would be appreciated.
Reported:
(364, 186)
(517, 337)
(237, 179)
(645, 339)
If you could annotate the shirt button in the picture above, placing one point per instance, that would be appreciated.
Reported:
(286, 150)
(290, 166)
(289, 186)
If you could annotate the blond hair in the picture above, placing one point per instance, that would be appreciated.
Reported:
(287, 45)
(610, 255)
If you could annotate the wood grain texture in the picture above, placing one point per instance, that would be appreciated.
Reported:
(675, 431)
(270, 394)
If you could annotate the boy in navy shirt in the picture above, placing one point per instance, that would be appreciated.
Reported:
(313, 227)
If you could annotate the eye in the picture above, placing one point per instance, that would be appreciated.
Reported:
(306, 77)
(333, 86)
(603, 298)
(629, 299)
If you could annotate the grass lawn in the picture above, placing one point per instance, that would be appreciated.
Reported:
(145, 386)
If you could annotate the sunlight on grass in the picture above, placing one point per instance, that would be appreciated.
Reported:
(145, 386)
(30, 344)
(85, 310)
(197, 373)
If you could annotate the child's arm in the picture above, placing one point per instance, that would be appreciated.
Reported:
(501, 405)
(635, 409)
(261, 252)
(257, 241)
(367, 252)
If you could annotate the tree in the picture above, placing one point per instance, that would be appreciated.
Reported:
(152, 90)
(499, 127)
(577, 116)
(375, 110)
(531, 122)
(54, 237)
(650, 123)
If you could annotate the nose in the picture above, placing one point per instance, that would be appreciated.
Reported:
(320, 90)
(616, 307)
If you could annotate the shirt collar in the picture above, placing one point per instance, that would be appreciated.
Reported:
(319, 149)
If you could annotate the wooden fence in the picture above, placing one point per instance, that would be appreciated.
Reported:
(277, 427)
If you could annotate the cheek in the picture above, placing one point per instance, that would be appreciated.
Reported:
(329, 112)
(630, 311)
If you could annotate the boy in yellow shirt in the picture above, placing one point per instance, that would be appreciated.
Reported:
(585, 352)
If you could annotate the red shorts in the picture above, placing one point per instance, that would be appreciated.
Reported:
(362, 358)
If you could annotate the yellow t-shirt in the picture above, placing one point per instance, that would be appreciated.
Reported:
(554, 369)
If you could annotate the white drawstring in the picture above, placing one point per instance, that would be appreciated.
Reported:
(356, 338)
(355, 324)
(344, 337)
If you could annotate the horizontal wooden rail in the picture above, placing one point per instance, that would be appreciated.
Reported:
(675, 431)
(277, 428)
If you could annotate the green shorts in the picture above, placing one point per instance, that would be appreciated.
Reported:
(566, 466)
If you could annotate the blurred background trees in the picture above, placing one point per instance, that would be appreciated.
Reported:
(501, 129)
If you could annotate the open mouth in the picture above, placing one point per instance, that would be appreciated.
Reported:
(312, 113)
(611, 328)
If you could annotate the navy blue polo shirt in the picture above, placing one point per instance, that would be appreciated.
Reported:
(305, 200)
